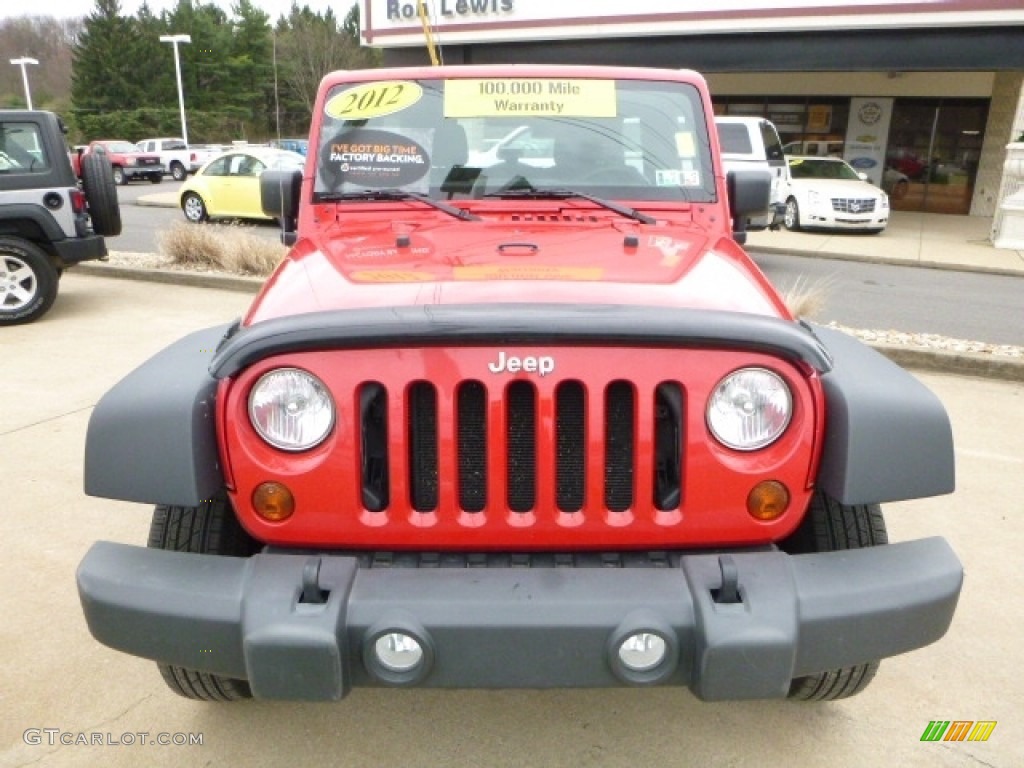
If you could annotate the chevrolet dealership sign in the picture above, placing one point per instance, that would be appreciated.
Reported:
(388, 23)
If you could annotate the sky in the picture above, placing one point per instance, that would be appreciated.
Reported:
(72, 8)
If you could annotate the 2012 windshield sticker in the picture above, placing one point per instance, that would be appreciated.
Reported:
(520, 96)
(373, 100)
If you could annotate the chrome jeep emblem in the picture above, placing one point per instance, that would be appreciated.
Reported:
(529, 364)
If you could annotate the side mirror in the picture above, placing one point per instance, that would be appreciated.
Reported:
(279, 197)
(749, 192)
(862, 176)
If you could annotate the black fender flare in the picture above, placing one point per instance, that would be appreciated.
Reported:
(152, 438)
(36, 215)
(887, 436)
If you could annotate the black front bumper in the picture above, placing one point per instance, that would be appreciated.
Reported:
(260, 619)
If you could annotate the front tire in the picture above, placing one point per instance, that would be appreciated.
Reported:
(194, 208)
(791, 218)
(119, 176)
(212, 529)
(831, 527)
(28, 281)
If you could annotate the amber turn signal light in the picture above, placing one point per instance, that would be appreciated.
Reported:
(767, 500)
(273, 502)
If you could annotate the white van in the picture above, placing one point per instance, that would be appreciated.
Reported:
(753, 142)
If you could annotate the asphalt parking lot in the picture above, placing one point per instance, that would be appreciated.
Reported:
(57, 685)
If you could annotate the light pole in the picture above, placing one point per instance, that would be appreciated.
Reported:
(174, 40)
(24, 76)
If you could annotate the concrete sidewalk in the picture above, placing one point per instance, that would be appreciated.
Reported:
(935, 240)
(912, 239)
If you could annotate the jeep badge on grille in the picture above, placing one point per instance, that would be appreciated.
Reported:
(530, 364)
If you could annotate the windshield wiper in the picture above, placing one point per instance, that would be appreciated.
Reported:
(399, 194)
(561, 193)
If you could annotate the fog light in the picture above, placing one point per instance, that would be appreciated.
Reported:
(768, 500)
(398, 652)
(642, 651)
(273, 502)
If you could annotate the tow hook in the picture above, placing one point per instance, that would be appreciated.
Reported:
(311, 592)
(729, 592)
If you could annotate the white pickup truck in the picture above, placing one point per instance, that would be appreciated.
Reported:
(177, 157)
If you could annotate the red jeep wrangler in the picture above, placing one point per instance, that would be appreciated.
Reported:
(522, 418)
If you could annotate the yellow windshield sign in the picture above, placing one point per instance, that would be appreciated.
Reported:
(514, 97)
(374, 100)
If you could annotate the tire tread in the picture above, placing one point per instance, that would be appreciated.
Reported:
(830, 527)
(47, 285)
(210, 528)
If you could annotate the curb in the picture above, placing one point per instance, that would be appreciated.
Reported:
(957, 363)
(152, 201)
(224, 282)
(896, 262)
(936, 361)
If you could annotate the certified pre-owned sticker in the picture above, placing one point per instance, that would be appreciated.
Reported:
(370, 158)
(373, 100)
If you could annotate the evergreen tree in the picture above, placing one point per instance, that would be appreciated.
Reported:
(251, 64)
(102, 79)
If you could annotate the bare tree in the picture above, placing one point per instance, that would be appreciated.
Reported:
(50, 41)
(309, 45)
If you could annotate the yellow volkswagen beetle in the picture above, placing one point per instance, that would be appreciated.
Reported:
(228, 186)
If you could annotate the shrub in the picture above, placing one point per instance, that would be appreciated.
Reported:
(805, 298)
(220, 247)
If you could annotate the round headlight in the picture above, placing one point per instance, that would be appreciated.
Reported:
(291, 409)
(749, 409)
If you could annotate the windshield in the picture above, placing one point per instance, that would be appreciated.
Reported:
(120, 146)
(810, 168)
(285, 160)
(471, 138)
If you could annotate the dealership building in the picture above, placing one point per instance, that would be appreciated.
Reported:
(932, 88)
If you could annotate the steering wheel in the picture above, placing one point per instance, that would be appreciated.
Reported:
(614, 174)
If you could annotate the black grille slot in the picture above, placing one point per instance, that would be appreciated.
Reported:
(668, 440)
(520, 434)
(373, 420)
(423, 470)
(618, 446)
(570, 434)
(472, 414)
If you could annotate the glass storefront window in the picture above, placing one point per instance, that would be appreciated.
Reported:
(932, 153)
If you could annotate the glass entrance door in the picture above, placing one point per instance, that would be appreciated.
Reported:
(932, 155)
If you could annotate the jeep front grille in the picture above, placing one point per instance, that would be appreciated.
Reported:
(550, 453)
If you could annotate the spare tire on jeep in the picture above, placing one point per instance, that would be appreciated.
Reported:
(101, 195)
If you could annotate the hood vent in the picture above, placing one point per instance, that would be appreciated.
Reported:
(554, 218)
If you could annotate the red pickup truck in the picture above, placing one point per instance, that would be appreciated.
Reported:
(127, 161)
(495, 423)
